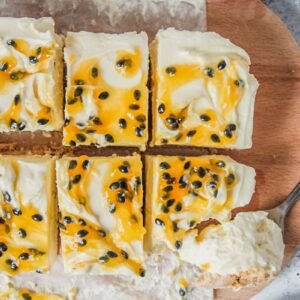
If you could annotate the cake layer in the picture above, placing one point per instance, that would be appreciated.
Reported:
(28, 214)
(30, 75)
(185, 191)
(203, 92)
(101, 224)
(107, 96)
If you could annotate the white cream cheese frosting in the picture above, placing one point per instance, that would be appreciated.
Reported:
(105, 72)
(29, 74)
(100, 201)
(27, 214)
(205, 86)
(249, 242)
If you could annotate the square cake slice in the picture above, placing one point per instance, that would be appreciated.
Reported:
(30, 75)
(203, 94)
(101, 224)
(28, 214)
(185, 191)
(107, 95)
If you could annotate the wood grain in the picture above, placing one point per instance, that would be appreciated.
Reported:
(275, 155)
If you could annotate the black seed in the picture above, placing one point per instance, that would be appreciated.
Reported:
(164, 141)
(142, 272)
(183, 180)
(191, 133)
(3, 247)
(33, 59)
(141, 118)
(159, 222)
(227, 133)
(22, 233)
(37, 217)
(68, 220)
(82, 233)
(171, 70)
(112, 254)
(82, 222)
(17, 212)
(215, 138)
(175, 227)
(81, 137)
(123, 184)
(123, 169)
(72, 101)
(76, 179)
(134, 106)
(97, 121)
(72, 143)
(8, 261)
(192, 223)
(26, 296)
(13, 124)
(124, 63)
(187, 165)
(17, 99)
(178, 207)
(221, 164)
(78, 91)
(164, 166)
(139, 131)
(7, 196)
(121, 197)
(82, 242)
(204, 118)
(109, 138)
(43, 121)
(24, 256)
(209, 72)
(103, 259)
(11, 42)
(85, 164)
(165, 176)
(161, 108)
(215, 177)
(39, 271)
(170, 202)
(171, 180)
(14, 266)
(103, 95)
(79, 82)
(124, 254)
(39, 50)
(174, 126)
(62, 226)
(239, 82)
(137, 95)
(196, 184)
(94, 72)
(112, 208)
(114, 185)
(168, 188)
(232, 127)
(230, 178)
(21, 126)
(164, 209)
(213, 184)
(2, 221)
(122, 123)
(102, 233)
(222, 65)
(3, 66)
(178, 244)
(72, 164)
(171, 120)
(67, 122)
(14, 76)
(182, 292)
(90, 131)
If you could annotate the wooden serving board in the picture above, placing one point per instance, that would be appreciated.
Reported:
(275, 154)
(275, 58)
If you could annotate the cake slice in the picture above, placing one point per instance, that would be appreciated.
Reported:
(185, 191)
(107, 96)
(101, 224)
(30, 75)
(28, 214)
(203, 94)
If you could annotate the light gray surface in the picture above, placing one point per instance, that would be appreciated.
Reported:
(289, 12)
